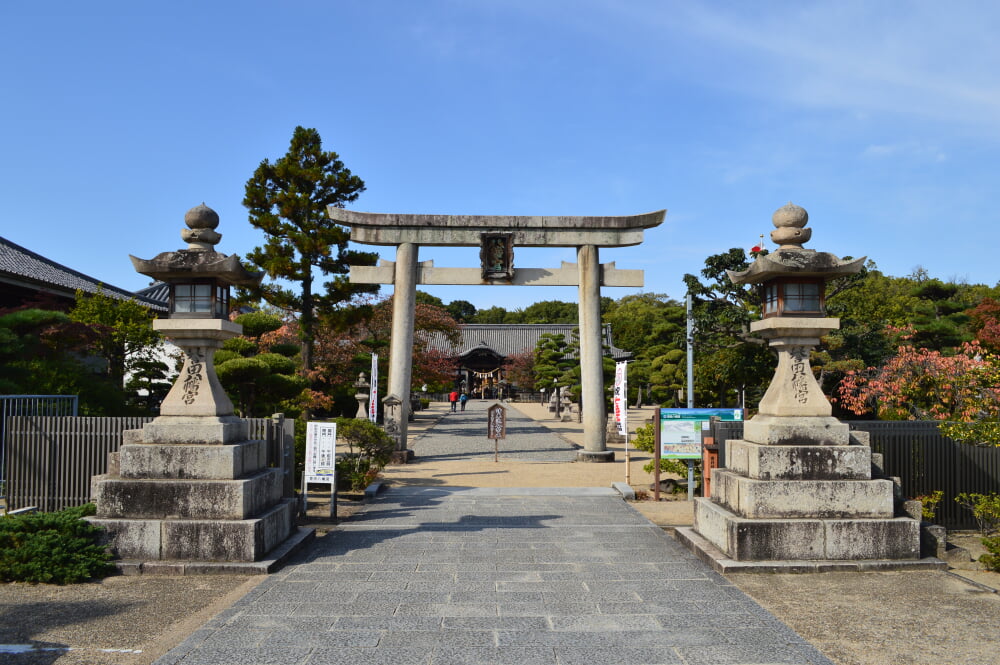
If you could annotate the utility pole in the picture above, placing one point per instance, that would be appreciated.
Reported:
(690, 355)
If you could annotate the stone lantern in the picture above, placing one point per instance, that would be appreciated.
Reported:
(792, 281)
(797, 492)
(190, 491)
(199, 279)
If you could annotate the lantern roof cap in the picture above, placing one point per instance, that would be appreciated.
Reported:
(791, 259)
(807, 263)
(184, 265)
(199, 260)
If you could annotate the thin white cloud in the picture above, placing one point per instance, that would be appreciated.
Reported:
(926, 59)
(911, 150)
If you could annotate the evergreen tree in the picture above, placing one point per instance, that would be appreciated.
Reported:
(553, 364)
(288, 200)
(730, 363)
(462, 311)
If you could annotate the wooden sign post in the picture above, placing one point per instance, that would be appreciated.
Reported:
(496, 427)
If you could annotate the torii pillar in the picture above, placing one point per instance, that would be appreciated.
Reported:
(497, 236)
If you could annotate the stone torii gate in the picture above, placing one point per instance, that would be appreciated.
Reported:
(497, 237)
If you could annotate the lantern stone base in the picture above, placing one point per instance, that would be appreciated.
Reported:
(192, 462)
(166, 498)
(200, 540)
(796, 431)
(780, 504)
(749, 539)
(202, 502)
(195, 429)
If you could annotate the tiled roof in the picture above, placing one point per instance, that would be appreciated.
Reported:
(158, 291)
(510, 339)
(26, 268)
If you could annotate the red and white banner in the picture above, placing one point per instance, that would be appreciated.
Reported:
(373, 395)
(621, 397)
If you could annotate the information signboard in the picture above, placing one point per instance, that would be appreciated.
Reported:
(321, 452)
(680, 430)
(496, 422)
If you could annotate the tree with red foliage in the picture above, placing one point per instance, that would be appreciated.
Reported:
(986, 323)
(520, 370)
(927, 385)
(341, 355)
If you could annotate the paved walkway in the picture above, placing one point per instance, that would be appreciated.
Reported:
(461, 435)
(495, 575)
(453, 575)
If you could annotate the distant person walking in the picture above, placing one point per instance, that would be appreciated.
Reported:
(453, 398)
(463, 399)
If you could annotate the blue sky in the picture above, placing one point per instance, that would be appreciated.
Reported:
(882, 119)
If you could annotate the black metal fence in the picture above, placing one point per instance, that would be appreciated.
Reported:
(923, 459)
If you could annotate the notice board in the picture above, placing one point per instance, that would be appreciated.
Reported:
(679, 433)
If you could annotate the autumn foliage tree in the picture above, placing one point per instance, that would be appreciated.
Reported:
(924, 384)
(520, 369)
(342, 354)
(985, 318)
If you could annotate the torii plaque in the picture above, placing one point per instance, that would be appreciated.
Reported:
(497, 236)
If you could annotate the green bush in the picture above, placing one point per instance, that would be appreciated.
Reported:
(256, 324)
(369, 449)
(929, 504)
(287, 350)
(240, 346)
(52, 548)
(991, 560)
(985, 508)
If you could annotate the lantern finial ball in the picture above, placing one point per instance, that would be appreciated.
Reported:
(200, 233)
(789, 221)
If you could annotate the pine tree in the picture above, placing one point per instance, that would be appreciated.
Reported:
(287, 200)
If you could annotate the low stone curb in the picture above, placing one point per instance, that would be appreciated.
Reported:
(372, 490)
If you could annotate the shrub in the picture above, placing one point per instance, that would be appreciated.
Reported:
(241, 346)
(929, 504)
(985, 508)
(52, 548)
(369, 450)
(991, 560)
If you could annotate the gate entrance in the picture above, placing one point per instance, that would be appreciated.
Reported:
(497, 237)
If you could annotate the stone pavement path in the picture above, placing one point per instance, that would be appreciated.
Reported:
(462, 435)
(495, 575)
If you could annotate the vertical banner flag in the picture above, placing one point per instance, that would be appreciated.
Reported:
(373, 395)
(621, 397)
